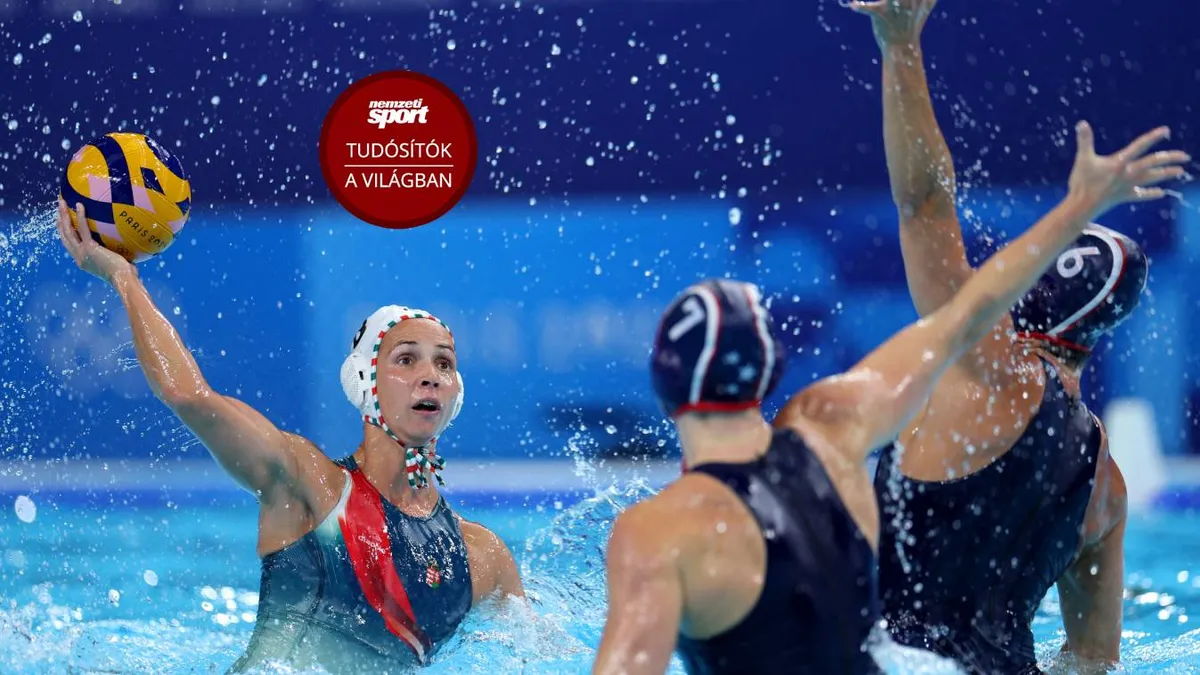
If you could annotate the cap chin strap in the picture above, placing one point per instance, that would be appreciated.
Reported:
(359, 382)
(1055, 341)
(420, 461)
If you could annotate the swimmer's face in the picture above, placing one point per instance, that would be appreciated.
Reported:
(416, 379)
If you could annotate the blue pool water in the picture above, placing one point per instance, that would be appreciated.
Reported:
(148, 586)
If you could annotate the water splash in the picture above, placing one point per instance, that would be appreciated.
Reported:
(27, 243)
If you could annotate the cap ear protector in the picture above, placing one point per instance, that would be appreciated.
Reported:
(359, 370)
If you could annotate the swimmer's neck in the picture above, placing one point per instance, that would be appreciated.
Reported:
(734, 438)
(1071, 368)
(381, 460)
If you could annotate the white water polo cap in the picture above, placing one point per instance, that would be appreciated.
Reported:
(359, 381)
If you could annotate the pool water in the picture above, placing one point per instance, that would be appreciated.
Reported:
(149, 586)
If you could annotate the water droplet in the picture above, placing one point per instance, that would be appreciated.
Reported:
(590, 161)
(555, 50)
(216, 100)
(735, 216)
(730, 120)
(26, 510)
(77, 16)
(610, 429)
(114, 596)
(18, 59)
(150, 578)
(451, 44)
(721, 527)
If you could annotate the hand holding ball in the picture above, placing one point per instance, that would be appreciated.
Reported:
(134, 192)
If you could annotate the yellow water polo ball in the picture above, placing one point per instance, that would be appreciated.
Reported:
(134, 193)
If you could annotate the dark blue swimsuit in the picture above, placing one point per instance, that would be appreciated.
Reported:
(979, 552)
(818, 604)
(370, 590)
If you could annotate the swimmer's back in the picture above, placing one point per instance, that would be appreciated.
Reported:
(964, 562)
(777, 577)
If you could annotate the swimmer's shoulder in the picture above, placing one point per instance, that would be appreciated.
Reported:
(681, 517)
(665, 521)
(656, 540)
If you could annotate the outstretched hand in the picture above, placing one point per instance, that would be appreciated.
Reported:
(1126, 176)
(90, 256)
(896, 21)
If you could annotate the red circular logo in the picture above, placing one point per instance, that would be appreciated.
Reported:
(398, 149)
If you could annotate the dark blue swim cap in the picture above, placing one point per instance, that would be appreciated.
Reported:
(716, 350)
(1094, 286)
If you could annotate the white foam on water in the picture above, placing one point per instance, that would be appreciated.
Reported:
(26, 509)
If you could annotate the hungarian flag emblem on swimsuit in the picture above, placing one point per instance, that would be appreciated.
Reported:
(433, 575)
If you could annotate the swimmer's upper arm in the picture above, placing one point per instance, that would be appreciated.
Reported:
(1092, 590)
(1091, 593)
(867, 406)
(935, 258)
(252, 450)
(493, 567)
(645, 598)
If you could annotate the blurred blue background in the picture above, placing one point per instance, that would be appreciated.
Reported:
(627, 148)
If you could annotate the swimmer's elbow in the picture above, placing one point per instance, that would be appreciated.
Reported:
(185, 399)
